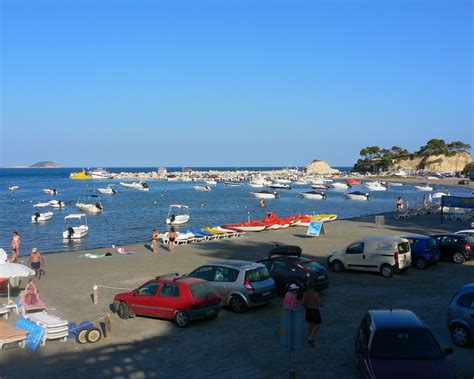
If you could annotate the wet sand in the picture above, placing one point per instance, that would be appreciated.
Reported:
(234, 345)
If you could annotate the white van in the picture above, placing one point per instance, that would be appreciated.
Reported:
(387, 255)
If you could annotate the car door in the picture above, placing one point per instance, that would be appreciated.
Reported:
(466, 308)
(355, 258)
(279, 273)
(143, 299)
(168, 300)
(223, 280)
(444, 243)
(362, 346)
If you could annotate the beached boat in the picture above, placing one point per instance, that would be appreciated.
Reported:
(90, 203)
(253, 226)
(232, 184)
(280, 186)
(43, 216)
(314, 195)
(57, 204)
(141, 186)
(178, 215)
(99, 173)
(75, 231)
(202, 188)
(107, 191)
(81, 175)
(50, 191)
(210, 182)
(13, 188)
(357, 195)
(426, 187)
(264, 195)
(340, 186)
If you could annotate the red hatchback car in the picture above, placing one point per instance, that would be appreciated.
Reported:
(172, 297)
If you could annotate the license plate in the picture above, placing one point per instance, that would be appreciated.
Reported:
(210, 312)
(266, 293)
(321, 276)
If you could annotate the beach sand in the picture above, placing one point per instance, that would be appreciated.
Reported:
(234, 345)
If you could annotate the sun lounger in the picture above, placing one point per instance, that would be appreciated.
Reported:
(29, 308)
(210, 235)
(10, 334)
(201, 236)
(55, 327)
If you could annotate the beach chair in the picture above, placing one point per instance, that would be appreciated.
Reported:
(55, 327)
(10, 334)
(202, 237)
(29, 308)
(219, 234)
(211, 236)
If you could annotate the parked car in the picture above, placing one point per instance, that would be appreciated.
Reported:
(394, 344)
(469, 234)
(460, 318)
(287, 266)
(241, 284)
(387, 255)
(171, 297)
(454, 247)
(424, 251)
(464, 182)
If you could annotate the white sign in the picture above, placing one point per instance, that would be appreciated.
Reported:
(315, 228)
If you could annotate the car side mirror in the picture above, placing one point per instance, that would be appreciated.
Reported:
(448, 350)
(135, 292)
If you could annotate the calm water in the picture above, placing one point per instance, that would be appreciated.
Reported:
(130, 215)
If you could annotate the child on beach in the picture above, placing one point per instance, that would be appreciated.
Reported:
(154, 239)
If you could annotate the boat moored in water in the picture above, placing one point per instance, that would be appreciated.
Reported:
(43, 216)
(178, 215)
(99, 173)
(50, 191)
(13, 188)
(426, 187)
(264, 194)
(357, 195)
(107, 191)
(90, 203)
(81, 175)
(141, 186)
(232, 184)
(202, 188)
(77, 231)
(340, 186)
(57, 204)
(315, 195)
(280, 186)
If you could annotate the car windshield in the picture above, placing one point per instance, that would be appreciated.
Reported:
(311, 265)
(403, 247)
(257, 274)
(201, 290)
(430, 243)
(405, 344)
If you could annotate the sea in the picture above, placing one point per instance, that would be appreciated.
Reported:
(130, 216)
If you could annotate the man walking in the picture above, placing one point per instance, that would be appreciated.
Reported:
(311, 302)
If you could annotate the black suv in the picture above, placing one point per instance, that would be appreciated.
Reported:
(453, 247)
(287, 266)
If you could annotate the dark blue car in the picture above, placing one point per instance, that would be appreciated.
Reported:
(424, 251)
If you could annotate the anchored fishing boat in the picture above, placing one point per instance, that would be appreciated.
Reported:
(75, 231)
(99, 173)
(280, 186)
(375, 186)
(320, 187)
(81, 175)
(13, 188)
(340, 186)
(178, 215)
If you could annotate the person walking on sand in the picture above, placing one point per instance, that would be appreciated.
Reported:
(311, 302)
(291, 298)
(399, 203)
(36, 262)
(154, 240)
(171, 238)
(16, 244)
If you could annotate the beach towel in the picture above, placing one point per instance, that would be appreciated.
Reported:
(123, 250)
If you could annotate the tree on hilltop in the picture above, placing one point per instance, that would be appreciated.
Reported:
(433, 147)
(457, 147)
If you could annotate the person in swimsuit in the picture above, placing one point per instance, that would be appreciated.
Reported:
(311, 302)
(16, 244)
(36, 262)
(399, 203)
(172, 238)
(154, 240)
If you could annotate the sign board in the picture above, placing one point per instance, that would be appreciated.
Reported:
(457, 202)
(315, 228)
(291, 321)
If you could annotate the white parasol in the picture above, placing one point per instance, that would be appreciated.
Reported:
(3, 256)
(14, 270)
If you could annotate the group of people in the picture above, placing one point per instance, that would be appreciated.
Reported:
(311, 302)
(35, 259)
(171, 240)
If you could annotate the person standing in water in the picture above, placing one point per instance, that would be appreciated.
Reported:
(171, 238)
(154, 240)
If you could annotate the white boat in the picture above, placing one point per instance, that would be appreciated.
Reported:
(78, 231)
(232, 184)
(396, 184)
(357, 195)
(264, 194)
(57, 204)
(283, 181)
(99, 173)
(202, 188)
(340, 186)
(141, 186)
(249, 228)
(438, 195)
(319, 186)
(13, 188)
(301, 183)
(90, 203)
(314, 195)
(178, 215)
(210, 182)
(50, 191)
(276, 185)
(375, 186)
(426, 187)
(44, 216)
(258, 182)
(107, 191)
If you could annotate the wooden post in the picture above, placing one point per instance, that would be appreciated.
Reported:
(95, 295)
(107, 325)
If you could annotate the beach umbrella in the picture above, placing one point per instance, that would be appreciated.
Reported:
(14, 270)
(3, 256)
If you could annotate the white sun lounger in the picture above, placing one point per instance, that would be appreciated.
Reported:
(55, 327)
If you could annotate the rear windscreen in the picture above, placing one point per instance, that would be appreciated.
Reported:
(257, 274)
(201, 290)
(311, 266)
(403, 247)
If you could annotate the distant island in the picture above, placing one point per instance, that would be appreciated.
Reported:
(44, 164)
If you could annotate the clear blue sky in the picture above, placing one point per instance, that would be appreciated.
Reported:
(231, 83)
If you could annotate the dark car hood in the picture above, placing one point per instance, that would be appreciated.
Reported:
(411, 368)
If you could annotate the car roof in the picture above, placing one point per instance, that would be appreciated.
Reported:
(464, 231)
(382, 238)
(469, 287)
(448, 235)
(418, 237)
(239, 265)
(396, 319)
(177, 279)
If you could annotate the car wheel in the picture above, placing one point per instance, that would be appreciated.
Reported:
(337, 266)
(460, 335)
(123, 311)
(386, 271)
(421, 263)
(237, 304)
(459, 258)
(182, 319)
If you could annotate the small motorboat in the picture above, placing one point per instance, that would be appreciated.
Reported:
(232, 184)
(78, 231)
(178, 215)
(281, 186)
(426, 187)
(107, 191)
(375, 186)
(141, 186)
(50, 191)
(41, 217)
(314, 195)
(81, 175)
(210, 182)
(283, 181)
(357, 195)
(340, 186)
(252, 226)
(264, 194)
(99, 173)
(57, 204)
(301, 183)
(353, 182)
(258, 182)
(396, 184)
(202, 188)
(90, 203)
(320, 187)
(13, 188)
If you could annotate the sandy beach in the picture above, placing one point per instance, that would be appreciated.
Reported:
(234, 345)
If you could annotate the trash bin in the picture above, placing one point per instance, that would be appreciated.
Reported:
(379, 221)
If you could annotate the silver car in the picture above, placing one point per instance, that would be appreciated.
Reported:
(461, 316)
(241, 284)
